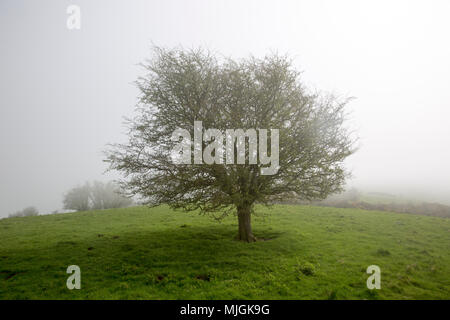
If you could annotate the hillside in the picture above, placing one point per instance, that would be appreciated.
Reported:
(383, 202)
(308, 253)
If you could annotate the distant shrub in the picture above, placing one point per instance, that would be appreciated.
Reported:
(27, 212)
(95, 196)
(77, 198)
(107, 195)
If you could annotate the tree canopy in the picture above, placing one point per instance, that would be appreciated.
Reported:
(182, 87)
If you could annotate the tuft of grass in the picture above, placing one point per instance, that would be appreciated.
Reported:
(158, 253)
(307, 268)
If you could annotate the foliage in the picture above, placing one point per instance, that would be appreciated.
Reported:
(97, 195)
(77, 198)
(182, 87)
(27, 212)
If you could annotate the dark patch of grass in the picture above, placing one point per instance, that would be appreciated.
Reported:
(9, 274)
(383, 252)
(332, 295)
(204, 277)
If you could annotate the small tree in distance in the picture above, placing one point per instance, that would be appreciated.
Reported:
(182, 87)
(27, 212)
(107, 196)
(77, 198)
(95, 196)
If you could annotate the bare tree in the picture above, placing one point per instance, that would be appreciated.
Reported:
(96, 195)
(107, 195)
(182, 87)
(78, 198)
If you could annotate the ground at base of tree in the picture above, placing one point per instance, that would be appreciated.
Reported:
(156, 253)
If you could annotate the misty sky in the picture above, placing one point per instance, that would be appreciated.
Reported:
(64, 92)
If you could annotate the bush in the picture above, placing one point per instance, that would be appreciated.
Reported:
(95, 196)
(27, 212)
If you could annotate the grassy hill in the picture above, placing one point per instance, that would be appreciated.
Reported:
(379, 201)
(308, 253)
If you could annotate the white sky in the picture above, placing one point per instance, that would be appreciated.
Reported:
(64, 93)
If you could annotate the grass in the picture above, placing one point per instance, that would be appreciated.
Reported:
(308, 253)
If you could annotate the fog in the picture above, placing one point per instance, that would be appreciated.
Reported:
(64, 92)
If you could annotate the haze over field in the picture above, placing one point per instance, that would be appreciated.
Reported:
(64, 92)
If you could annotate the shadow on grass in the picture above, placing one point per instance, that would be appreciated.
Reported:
(197, 252)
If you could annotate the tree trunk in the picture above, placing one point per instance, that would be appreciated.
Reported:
(245, 227)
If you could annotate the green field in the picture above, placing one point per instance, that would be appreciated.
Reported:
(143, 253)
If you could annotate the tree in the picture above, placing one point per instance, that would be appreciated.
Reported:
(182, 87)
(27, 212)
(95, 196)
(107, 196)
(78, 198)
